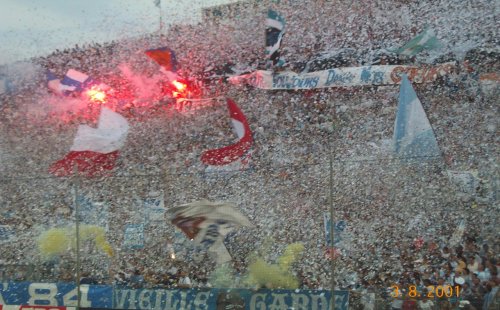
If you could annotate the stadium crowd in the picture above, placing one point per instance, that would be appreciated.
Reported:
(407, 223)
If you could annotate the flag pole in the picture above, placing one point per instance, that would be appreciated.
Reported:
(332, 259)
(161, 18)
(77, 227)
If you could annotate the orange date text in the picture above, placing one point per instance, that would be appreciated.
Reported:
(431, 291)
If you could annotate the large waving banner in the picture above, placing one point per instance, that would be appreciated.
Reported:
(343, 77)
(63, 296)
(207, 223)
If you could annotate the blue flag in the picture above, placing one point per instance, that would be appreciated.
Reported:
(275, 29)
(51, 76)
(55, 84)
(413, 134)
(73, 82)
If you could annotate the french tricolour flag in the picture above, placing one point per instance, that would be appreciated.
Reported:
(94, 150)
(77, 79)
(55, 85)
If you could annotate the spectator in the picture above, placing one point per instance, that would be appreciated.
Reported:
(425, 303)
(384, 202)
(184, 280)
(87, 278)
(482, 273)
(120, 279)
(492, 297)
(136, 279)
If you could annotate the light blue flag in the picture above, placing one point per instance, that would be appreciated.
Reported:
(413, 134)
(425, 40)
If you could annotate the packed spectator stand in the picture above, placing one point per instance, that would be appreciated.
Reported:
(401, 216)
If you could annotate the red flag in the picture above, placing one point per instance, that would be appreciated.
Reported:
(234, 152)
(165, 57)
(94, 150)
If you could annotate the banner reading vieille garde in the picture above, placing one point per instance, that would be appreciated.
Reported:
(343, 77)
(64, 295)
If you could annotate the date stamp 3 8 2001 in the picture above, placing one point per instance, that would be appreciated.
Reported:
(439, 291)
